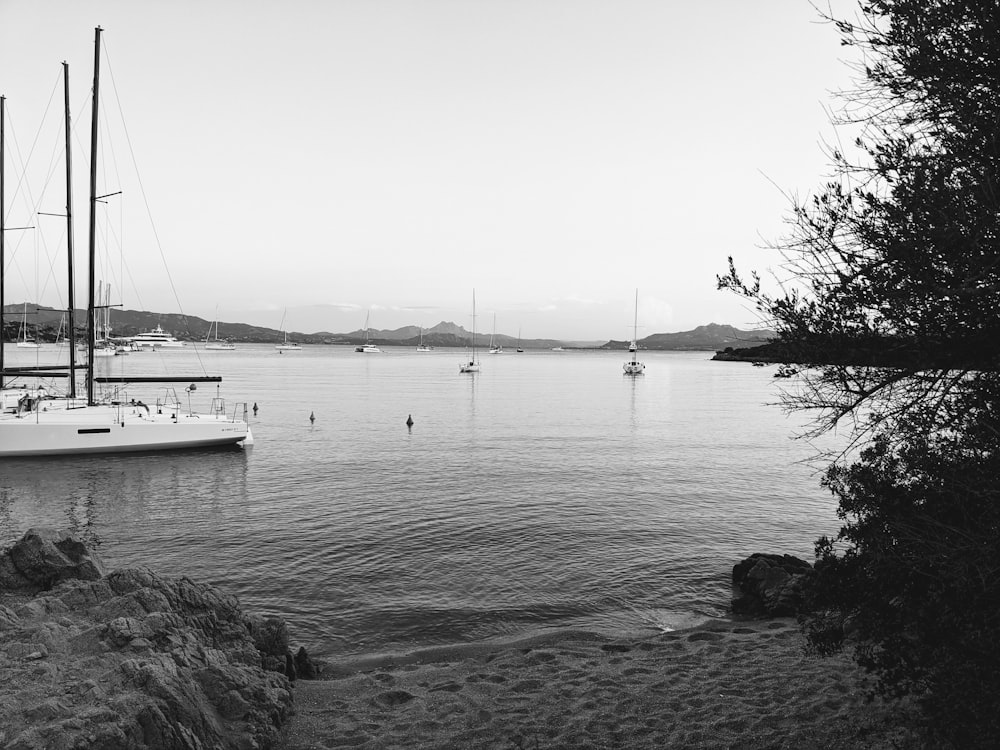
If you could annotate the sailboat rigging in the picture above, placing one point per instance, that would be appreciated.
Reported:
(36, 422)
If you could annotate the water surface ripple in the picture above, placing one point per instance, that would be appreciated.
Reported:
(549, 490)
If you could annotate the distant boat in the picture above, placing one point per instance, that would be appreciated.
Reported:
(103, 347)
(519, 349)
(156, 339)
(368, 347)
(634, 366)
(217, 344)
(473, 364)
(286, 345)
(494, 347)
(421, 347)
(23, 340)
(558, 349)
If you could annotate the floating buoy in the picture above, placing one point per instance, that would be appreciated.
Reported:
(255, 408)
(409, 420)
(312, 416)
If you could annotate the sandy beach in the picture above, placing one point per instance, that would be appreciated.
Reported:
(723, 684)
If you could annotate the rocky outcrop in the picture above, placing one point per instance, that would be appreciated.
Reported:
(769, 585)
(130, 659)
(42, 558)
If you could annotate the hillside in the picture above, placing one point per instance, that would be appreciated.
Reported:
(707, 338)
(124, 323)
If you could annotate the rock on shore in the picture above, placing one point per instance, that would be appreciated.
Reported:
(131, 659)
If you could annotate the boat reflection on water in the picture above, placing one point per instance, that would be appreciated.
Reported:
(128, 507)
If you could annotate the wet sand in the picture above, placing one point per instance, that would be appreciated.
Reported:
(724, 684)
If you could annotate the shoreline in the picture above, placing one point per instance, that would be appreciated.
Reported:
(726, 683)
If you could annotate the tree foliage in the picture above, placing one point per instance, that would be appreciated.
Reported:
(889, 313)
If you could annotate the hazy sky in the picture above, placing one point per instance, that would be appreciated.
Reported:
(338, 156)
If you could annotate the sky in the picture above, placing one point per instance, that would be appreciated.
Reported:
(311, 164)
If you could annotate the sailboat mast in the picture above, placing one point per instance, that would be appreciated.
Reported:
(92, 248)
(69, 239)
(635, 320)
(3, 208)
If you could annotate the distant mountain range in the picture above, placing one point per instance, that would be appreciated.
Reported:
(44, 324)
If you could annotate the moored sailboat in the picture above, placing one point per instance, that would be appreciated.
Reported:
(634, 366)
(495, 346)
(286, 345)
(368, 347)
(473, 364)
(37, 421)
(23, 340)
(215, 343)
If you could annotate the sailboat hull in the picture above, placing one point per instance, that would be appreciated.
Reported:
(56, 429)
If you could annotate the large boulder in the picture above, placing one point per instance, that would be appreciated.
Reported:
(132, 659)
(44, 557)
(767, 585)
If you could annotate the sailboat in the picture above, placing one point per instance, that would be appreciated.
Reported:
(495, 348)
(368, 347)
(286, 345)
(23, 340)
(634, 366)
(519, 350)
(422, 347)
(473, 364)
(37, 422)
(216, 344)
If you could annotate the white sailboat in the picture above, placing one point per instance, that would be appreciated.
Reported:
(519, 350)
(495, 348)
(23, 340)
(422, 347)
(36, 421)
(216, 344)
(368, 347)
(286, 345)
(473, 364)
(634, 366)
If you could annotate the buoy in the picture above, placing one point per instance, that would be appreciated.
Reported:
(409, 420)
(312, 416)
(255, 408)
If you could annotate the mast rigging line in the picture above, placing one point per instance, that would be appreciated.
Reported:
(142, 191)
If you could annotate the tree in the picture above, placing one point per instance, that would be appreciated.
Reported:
(890, 315)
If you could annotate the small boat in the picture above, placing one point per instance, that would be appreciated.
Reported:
(23, 340)
(473, 364)
(368, 347)
(422, 347)
(634, 366)
(286, 345)
(495, 348)
(216, 344)
(519, 350)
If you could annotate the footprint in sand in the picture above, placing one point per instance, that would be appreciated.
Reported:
(615, 648)
(451, 687)
(394, 698)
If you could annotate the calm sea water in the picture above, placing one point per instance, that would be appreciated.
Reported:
(549, 490)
